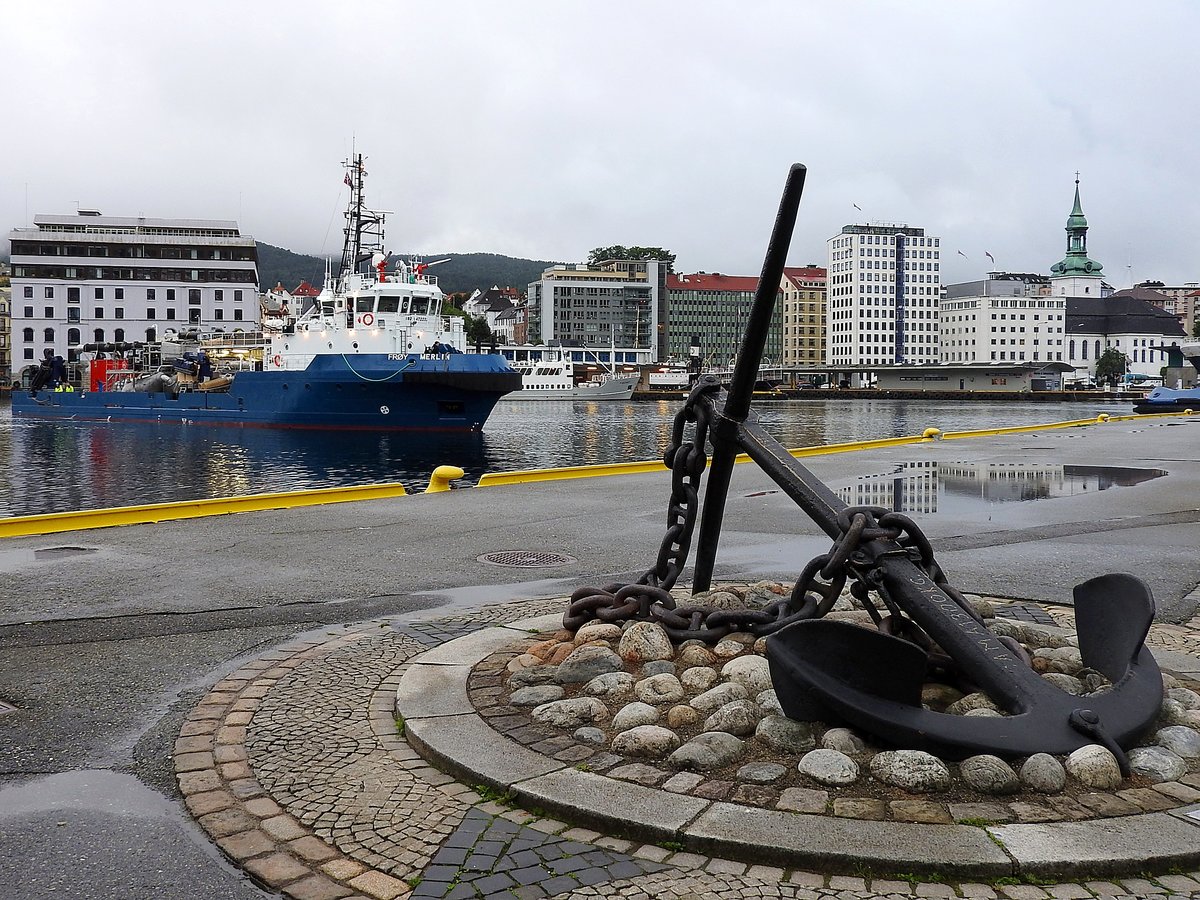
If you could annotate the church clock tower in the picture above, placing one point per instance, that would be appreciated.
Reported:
(1076, 275)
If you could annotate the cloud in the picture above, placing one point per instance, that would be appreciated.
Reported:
(543, 130)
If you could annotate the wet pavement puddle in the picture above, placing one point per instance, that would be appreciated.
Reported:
(927, 487)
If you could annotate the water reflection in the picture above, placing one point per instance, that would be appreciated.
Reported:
(55, 467)
(931, 487)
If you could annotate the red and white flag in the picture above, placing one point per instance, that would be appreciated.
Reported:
(347, 180)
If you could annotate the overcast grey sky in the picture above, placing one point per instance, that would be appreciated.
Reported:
(543, 129)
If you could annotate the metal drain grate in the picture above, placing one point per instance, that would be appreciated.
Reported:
(1026, 612)
(525, 559)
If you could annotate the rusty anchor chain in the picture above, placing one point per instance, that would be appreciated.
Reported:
(822, 668)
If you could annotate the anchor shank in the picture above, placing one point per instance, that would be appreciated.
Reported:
(745, 373)
(810, 493)
(979, 652)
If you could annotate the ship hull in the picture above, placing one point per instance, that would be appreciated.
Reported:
(368, 392)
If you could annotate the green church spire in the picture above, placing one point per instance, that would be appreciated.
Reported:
(1076, 261)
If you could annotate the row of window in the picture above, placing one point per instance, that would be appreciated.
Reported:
(132, 251)
(73, 313)
(195, 295)
(71, 273)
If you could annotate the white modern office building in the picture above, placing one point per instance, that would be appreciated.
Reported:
(90, 278)
(884, 284)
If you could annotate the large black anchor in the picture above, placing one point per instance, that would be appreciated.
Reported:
(873, 679)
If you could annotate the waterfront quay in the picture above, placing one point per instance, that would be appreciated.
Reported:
(206, 707)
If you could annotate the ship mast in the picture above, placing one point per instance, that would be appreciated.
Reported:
(363, 232)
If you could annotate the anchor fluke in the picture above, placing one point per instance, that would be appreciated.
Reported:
(864, 661)
(1112, 618)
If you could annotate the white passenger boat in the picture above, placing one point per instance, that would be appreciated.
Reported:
(553, 378)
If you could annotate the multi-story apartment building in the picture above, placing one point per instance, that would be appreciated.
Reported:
(618, 302)
(715, 308)
(1179, 300)
(91, 278)
(803, 298)
(884, 284)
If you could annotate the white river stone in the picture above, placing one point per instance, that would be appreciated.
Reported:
(912, 770)
(634, 714)
(716, 697)
(751, 672)
(989, 775)
(740, 717)
(1095, 767)
(659, 689)
(571, 713)
(645, 741)
(1157, 763)
(698, 678)
(611, 684)
(710, 750)
(829, 767)
(645, 641)
(1180, 740)
(1044, 774)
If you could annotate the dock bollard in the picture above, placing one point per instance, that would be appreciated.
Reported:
(932, 434)
(440, 480)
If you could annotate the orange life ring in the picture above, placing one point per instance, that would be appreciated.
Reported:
(368, 319)
(277, 360)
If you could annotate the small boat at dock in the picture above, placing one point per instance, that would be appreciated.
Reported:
(553, 378)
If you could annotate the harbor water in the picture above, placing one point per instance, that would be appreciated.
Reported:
(58, 467)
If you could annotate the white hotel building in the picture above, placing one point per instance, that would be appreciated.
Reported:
(1008, 317)
(884, 284)
(90, 278)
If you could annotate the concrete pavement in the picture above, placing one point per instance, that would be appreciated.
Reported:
(108, 648)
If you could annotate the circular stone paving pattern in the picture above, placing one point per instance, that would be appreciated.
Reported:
(706, 723)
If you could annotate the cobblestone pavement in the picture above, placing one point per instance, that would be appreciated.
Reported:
(297, 769)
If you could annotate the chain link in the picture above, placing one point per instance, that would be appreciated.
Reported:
(815, 592)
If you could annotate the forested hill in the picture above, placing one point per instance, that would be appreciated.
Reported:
(463, 272)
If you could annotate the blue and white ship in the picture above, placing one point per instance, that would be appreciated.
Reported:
(372, 352)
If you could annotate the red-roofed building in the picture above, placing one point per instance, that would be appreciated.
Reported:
(803, 315)
(714, 308)
(304, 289)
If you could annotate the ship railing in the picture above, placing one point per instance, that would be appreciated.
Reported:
(234, 339)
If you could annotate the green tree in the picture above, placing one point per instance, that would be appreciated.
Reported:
(478, 332)
(600, 254)
(1111, 365)
(1196, 328)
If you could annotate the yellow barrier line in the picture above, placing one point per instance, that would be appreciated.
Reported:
(1072, 423)
(53, 523)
